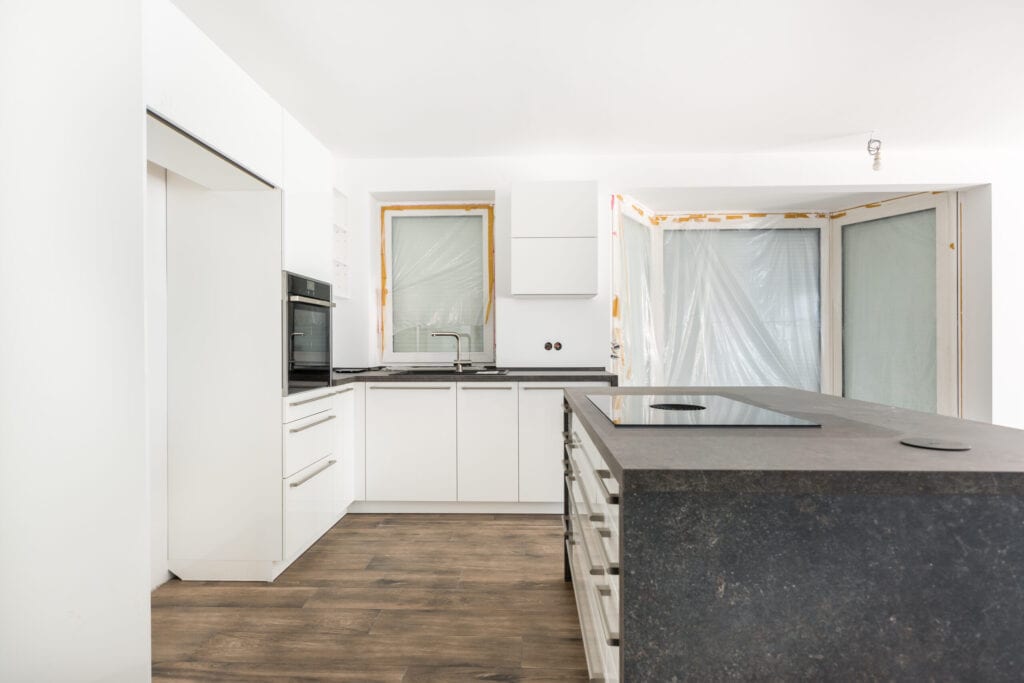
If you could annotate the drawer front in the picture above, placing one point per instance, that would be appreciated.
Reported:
(306, 403)
(307, 504)
(308, 440)
(597, 599)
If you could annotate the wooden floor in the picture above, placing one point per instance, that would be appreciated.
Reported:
(411, 598)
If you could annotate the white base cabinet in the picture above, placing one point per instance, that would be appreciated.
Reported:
(469, 443)
(540, 440)
(411, 441)
(488, 441)
(310, 506)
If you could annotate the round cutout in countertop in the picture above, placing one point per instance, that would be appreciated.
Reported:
(934, 444)
(677, 406)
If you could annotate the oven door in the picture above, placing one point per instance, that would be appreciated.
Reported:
(309, 343)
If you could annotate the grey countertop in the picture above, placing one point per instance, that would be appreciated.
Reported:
(513, 375)
(857, 447)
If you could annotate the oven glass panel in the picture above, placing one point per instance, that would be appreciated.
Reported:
(311, 335)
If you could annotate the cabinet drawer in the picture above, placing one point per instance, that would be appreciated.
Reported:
(598, 613)
(306, 403)
(308, 509)
(308, 440)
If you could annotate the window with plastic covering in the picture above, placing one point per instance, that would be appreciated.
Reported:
(437, 275)
(703, 306)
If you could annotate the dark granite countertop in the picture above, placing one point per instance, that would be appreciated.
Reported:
(513, 375)
(857, 448)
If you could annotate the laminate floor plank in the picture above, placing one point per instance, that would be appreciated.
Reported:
(386, 598)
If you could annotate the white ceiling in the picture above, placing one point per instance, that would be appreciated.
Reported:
(744, 199)
(394, 78)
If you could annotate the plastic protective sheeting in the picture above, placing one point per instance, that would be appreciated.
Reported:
(639, 353)
(889, 311)
(437, 282)
(742, 307)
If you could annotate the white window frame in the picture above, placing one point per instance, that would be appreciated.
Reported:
(392, 357)
(946, 295)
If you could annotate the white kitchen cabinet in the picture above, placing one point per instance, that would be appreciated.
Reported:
(411, 441)
(554, 209)
(345, 400)
(564, 266)
(308, 440)
(308, 199)
(309, 507)
(488, 441)
(540, 440)
(192, 83)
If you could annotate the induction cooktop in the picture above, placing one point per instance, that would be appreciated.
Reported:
(689, 410)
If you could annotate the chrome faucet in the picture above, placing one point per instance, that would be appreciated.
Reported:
(458, 347)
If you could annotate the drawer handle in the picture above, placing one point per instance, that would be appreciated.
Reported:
(609, 497)
(486, 388)
(343, 391)
(312, 424)
(591, 515)
(413, 388)
(309, 400)
(611, 634)
(543, 388)
(592, 568)
(302, 481)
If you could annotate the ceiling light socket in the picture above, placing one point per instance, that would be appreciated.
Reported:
(875, 150)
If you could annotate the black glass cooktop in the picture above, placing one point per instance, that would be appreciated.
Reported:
(689, 410)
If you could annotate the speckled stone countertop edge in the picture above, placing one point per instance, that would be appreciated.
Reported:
(1000, 480)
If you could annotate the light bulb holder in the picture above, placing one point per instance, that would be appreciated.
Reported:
(875, 150)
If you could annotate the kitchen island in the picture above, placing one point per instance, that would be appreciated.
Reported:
(828, 552)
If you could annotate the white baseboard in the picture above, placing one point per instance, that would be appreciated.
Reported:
(374, 506)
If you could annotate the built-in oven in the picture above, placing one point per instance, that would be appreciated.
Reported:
(307, 342)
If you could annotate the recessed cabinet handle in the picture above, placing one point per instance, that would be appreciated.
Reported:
(302, 481)
(486, 388)
(542, 388)
(414, 388)
(343, 391)
(309, 400)
(611, 633)
(312, 424)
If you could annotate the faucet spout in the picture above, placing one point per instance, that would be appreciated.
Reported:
(458, 347)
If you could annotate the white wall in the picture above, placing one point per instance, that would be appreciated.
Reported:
(74, 501)
(522, 324)
(356, 333)
(155, 242)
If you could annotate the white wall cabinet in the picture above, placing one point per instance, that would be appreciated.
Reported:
(554, 239)
(540, 440)
(411, 441)
(554, 209)
(308, 200)
(565, 266)
(190, 82)
(488, 441)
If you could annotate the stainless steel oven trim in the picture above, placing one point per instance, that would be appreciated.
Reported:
(286, 338)
(295, 298)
